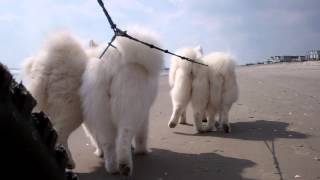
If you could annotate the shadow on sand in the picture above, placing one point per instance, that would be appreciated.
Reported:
(259, 130)
(165, 164)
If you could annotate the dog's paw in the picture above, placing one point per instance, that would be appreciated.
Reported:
(111, 168)
(172, 124)
(125, 169)
(143, 151)
(226, 128)
(70, 164)
(202, 130)
(98, 153)
(204, 120)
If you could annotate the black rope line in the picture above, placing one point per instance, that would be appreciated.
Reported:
(109, 44)
(112, 24)
(275, 159)
(119, 32)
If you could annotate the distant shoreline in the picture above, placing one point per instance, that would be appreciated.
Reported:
(281, 63)
(164, 72)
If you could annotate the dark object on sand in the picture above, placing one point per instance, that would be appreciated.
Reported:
(28, 142)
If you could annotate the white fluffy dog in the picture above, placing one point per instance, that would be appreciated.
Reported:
(54, 79)
(223, 89)
(117, 92)
(188, 81)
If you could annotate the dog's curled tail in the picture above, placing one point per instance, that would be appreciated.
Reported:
(220, 62)
(134, 52)
(62, 46)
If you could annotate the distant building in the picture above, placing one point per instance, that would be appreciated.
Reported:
(313, 55)
(269, 61)
(273, 59)
(276, 59)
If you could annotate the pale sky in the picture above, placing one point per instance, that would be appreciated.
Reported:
(251, 30)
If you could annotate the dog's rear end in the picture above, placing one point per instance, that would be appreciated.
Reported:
(54, 79)
(223, 88)
(123, 86)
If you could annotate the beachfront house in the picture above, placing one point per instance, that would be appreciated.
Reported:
(313, 55)
(287, 58)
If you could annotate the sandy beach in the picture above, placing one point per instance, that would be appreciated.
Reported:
(275, 133)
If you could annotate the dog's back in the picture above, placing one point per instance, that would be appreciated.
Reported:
(222, 77)
(54, 75)
(54, 79)
(117, 92)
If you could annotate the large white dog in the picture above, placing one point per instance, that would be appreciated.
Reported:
(54, 79)
(117, 92)
(188, 82)
(223, 89)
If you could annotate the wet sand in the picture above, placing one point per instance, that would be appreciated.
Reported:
(275, 133)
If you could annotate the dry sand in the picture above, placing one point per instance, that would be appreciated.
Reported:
(275, 133)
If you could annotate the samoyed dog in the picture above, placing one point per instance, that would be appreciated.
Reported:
(118, 91)
(54, 79)
(188, 82)
(223, 89)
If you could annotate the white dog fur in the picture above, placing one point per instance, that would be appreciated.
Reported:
(117, 92)
(188, 82)
(212, 90)
(54, 79)
(223, 89)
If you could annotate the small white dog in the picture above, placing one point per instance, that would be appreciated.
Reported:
(188, 82)
(223, 89)
(54, 79)
(117, 92)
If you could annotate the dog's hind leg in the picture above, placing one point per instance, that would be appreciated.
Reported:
(63, 135)
(211, 117)
(106, 138)
(109, 151)
(177, 111)
(123, 149)
(141, 139)
(183, 118)
(98, 152)
(224, 118)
